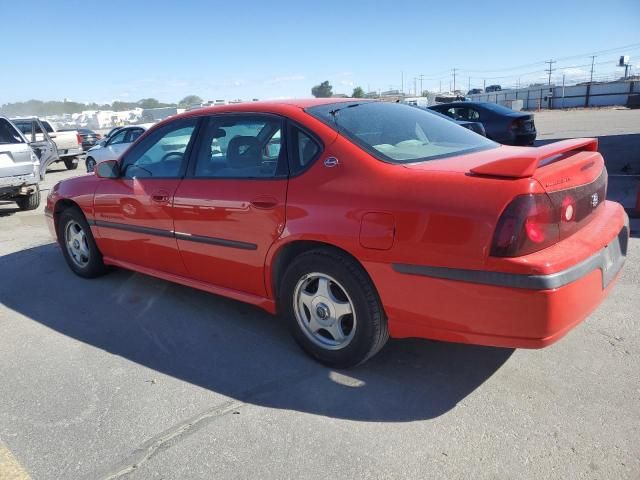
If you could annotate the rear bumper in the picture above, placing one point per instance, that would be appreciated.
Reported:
(517, 310)
(71, 152)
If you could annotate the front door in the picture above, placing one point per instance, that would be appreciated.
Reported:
(133, 212)
(230, 207)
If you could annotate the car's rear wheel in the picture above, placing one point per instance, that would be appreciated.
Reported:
(78, 245)
(71, 163)
(31, 201)
(332, 308)
(91, 164)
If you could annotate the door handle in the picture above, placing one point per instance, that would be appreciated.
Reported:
(160, 197)
(264, 203)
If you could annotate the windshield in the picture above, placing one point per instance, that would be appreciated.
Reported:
(399, 133)
(8, 134)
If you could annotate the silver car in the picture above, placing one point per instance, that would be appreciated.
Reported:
(20, 167)
(116, 144)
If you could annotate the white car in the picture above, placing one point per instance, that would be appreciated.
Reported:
(114, 146)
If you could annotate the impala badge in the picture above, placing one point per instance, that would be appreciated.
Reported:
(594, 200)
(330, 162)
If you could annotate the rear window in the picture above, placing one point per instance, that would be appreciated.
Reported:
(399, 133)
(495, 107)
(8, 134)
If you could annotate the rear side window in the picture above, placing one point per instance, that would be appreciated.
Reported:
(24, 126)
(397, 133)
(47, 127)
(304, 150)
(8, 134)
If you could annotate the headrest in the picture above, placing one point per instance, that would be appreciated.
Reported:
(243, 151)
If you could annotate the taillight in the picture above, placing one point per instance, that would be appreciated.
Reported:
(516, 124)
(527, 225)
(79, 138)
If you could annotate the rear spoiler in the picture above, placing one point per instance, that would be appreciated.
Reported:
(525, 165)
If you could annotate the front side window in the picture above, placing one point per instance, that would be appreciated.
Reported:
(399, 133)
(119, 137)
(241, 146)
(162, 153)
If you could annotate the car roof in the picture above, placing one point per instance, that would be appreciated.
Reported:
(268, 105)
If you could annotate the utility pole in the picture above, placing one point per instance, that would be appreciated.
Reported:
(593, 59)
(402, 82)
(454, 79)
(550, 69)
(469, 84)
(484, 84)
(421, 78)
(440, 90)
(415, 86)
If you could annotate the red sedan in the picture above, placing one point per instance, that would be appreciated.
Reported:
(356, 220)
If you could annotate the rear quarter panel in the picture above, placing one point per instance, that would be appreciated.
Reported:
(441, 218)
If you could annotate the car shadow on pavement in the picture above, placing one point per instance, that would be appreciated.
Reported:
(234, 349)
(8, 208)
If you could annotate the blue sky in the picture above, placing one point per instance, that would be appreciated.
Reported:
(127, 50)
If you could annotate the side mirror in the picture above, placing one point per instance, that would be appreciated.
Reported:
(108, 169)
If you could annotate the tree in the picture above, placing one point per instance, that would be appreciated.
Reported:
(189, 100)
(358, 92)
(324, 90)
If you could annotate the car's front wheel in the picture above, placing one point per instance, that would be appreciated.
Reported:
(332, 308)
(78, 245)
(91, 164)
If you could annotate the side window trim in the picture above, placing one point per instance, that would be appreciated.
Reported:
(291, 125)
(190, 171)
(187, 154)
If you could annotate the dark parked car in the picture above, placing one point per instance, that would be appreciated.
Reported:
(500, 123)
(89, 138)
(493, 88)
(474, 91)
(473, 126)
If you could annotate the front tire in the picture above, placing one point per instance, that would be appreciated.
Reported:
(78, 245)
(29, 202)
(71, 163)
(332, 308)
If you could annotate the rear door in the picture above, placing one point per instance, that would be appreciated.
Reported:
(230, 207)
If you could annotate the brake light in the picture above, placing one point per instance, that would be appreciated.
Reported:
(79, 138)
(528, 224)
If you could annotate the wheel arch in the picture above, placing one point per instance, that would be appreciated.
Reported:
(284, 254)
(62, 205)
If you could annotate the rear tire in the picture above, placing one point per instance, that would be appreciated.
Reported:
(332, 308)
(71, 163)
(78, 245)
(29, 202)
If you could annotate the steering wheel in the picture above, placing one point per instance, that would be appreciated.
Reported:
(172, 154)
